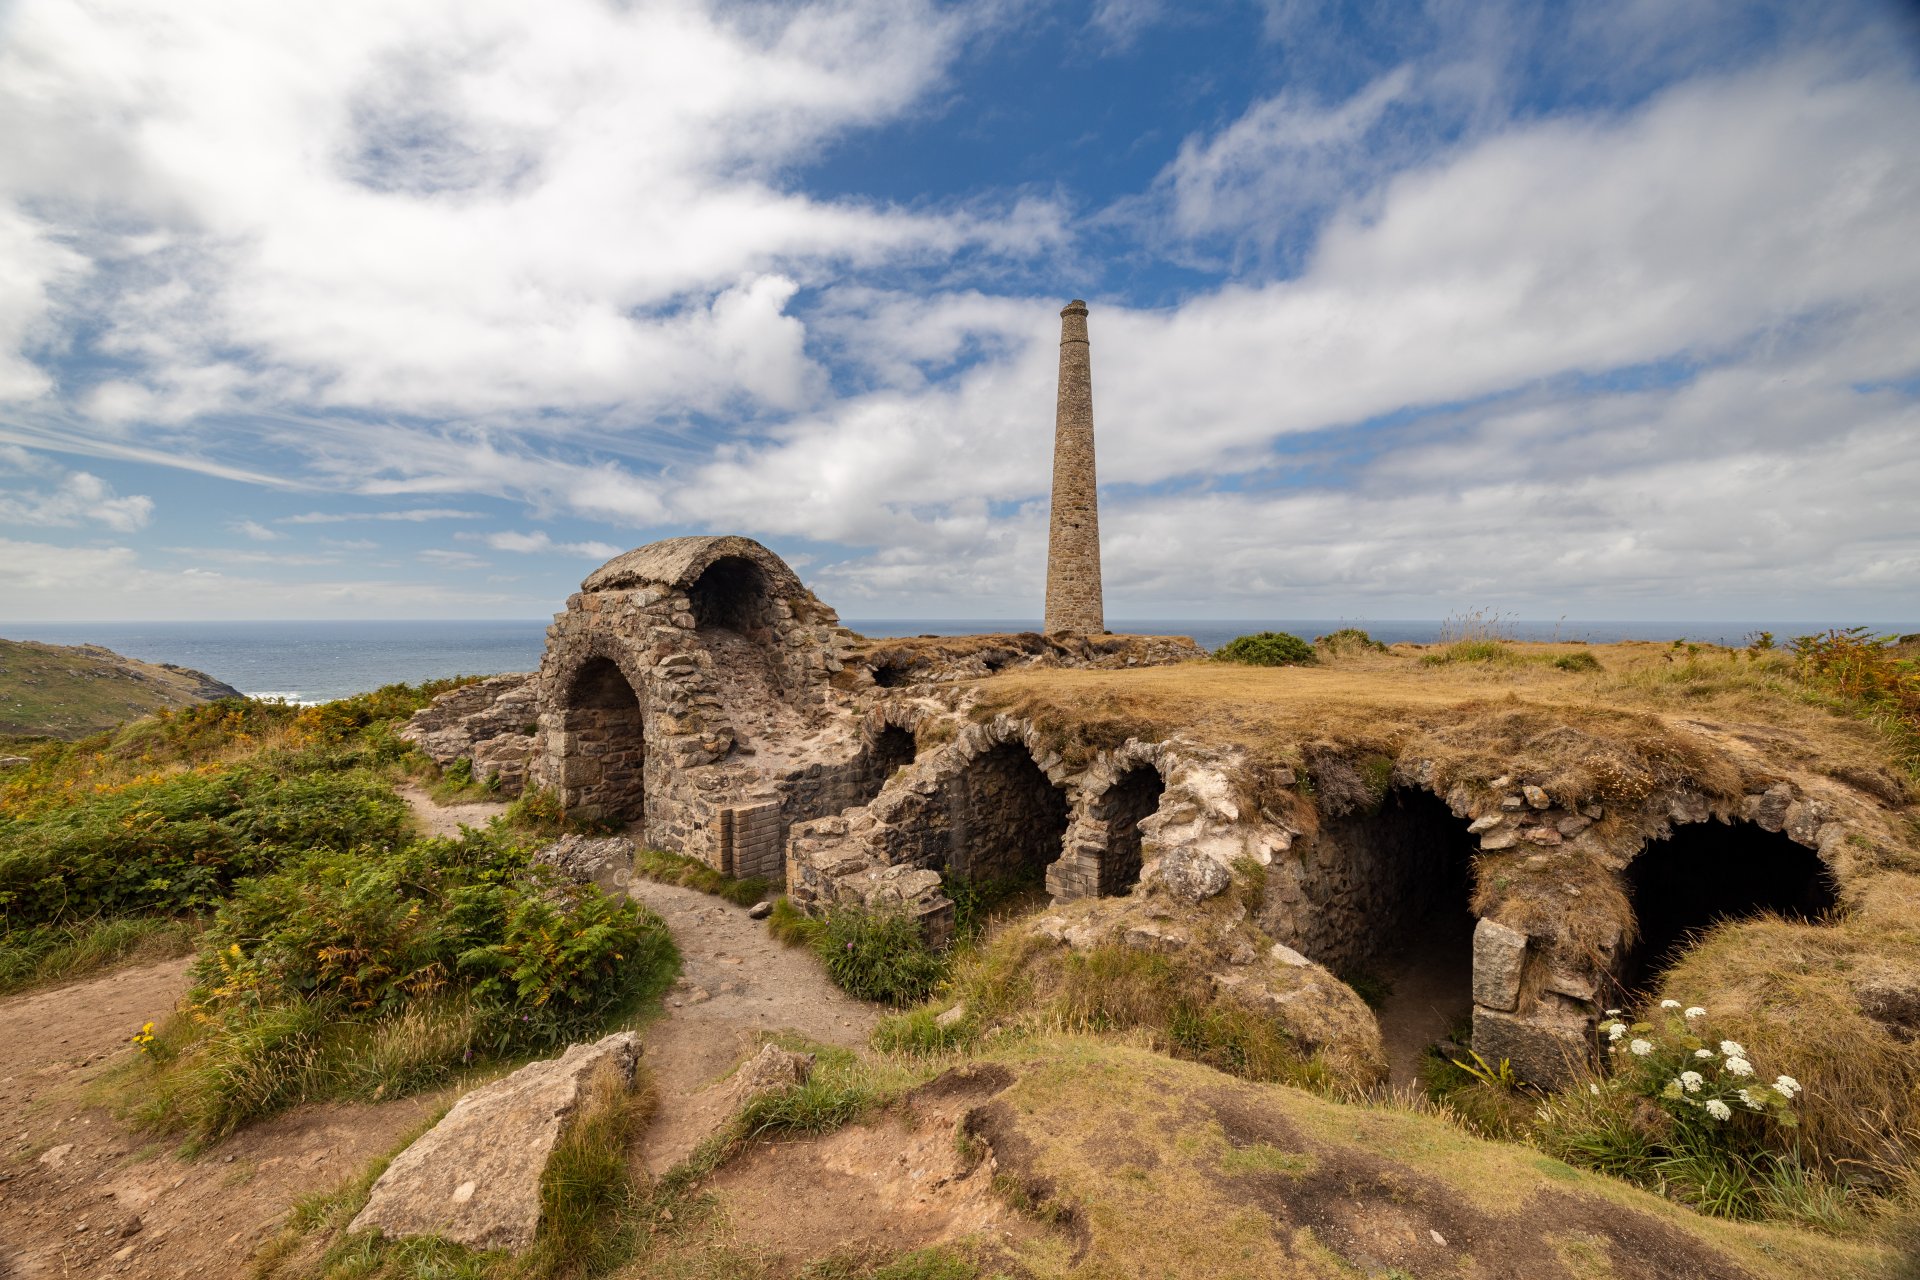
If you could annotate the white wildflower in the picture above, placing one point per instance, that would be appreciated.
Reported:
(1641, 1048)
(1740, 1066)
(1613, 1013)
(1594, 1089)
(1732, 1049)
(1669, 1004)
(1691, 1081)
(1787, 1085)
(1703, 1053)
(1616, 1031)
(1695, 1012)
(1753, 1103)
(1718, 1109)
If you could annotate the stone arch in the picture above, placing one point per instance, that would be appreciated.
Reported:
(1007, 818)
(1386, 884)
(1132, 799)
(732, 593)
(1703, 873)
(602, 760)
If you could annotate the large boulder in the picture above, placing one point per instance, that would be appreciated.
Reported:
(607, 861)
(474, 1178)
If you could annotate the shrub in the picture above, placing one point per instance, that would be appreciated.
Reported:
(1267, 649)
(1475, 650)
(877, 955)
(1348, 640)
(370, 972)
(1577, 662)
(175, 844)
(1683, 1112)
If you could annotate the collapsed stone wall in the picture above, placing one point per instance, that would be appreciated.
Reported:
(921, 660)
(490, 723)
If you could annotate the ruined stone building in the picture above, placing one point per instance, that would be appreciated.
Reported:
(695, 692)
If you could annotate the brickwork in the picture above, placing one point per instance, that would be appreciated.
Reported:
(1073, 535)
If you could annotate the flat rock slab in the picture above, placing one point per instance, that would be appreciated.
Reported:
(474, 1178)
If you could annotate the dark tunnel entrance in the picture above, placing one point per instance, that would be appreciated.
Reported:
(1128, 803)
(891, 750)
(731, 595)
(1707, 872)
(1008, 820)
(606, 756)
(1401, 887)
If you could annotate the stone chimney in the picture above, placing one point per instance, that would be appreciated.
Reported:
(1073, 541)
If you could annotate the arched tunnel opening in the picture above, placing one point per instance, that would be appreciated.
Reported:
(1395, 881)
(731, 595)
(1007, 825)
(1128, 802)
(889, 751)
(605, 760)
(1708, 872)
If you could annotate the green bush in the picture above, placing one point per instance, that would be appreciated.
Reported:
(878, 955)
(176, 844)
(1686, 1113)
(1267, 649)
(372, 971)
(1577, 662)
(1348, 640)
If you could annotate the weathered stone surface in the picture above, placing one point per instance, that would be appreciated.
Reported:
(1494, 841)
(474, 1178)
(760, 910)
(1073, 540)
(607, 862)
(1485, 823)
(1544, 1047)
(1536, 797)
(1288, 956)
(1499, 962)
(1768, 810)
(1192, 876)
(771, 1069)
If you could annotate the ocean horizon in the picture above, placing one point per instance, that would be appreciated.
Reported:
(315, 661)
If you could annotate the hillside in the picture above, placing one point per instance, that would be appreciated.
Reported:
(69, 691)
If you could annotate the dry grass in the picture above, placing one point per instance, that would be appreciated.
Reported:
(1145, 1158)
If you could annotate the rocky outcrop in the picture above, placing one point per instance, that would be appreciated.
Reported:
(474, 1178)
(606, 862)
(490, 724)
(68, 691)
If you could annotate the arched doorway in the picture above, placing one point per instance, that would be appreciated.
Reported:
(1707, 872)
(1008, 819)
(604, 764)
(731, 595)
(1127, 803)
(891, 749)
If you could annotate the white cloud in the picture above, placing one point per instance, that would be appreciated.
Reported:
(540, 542)
(77, 498)
(255, 530)
(461, 207)
(413, 515)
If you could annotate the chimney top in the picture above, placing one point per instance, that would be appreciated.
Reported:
(1076, 307)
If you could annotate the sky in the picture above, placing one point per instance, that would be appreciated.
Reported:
(1398, 310)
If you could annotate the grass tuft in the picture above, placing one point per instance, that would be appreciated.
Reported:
(692, 873)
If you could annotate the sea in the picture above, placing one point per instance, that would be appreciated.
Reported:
(318, 661)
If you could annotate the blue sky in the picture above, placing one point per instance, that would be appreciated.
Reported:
(373, 310)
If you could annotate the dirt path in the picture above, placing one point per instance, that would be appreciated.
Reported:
(736, 984)
(1431, 980)
(83, 1195)
(437, 819)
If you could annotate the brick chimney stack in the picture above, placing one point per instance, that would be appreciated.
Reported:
(1073, 542)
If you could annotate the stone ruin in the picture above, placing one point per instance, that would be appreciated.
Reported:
(696, 694)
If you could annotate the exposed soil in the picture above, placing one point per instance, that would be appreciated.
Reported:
(436, 819)
(895, 1184)
(736, 985)
(1431, 980)
(81, 1194)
